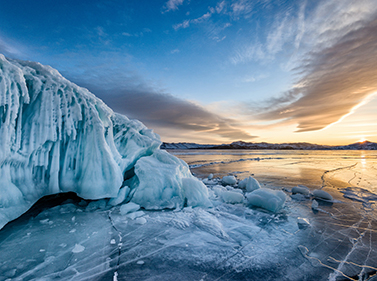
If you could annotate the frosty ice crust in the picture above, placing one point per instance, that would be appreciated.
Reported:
(57, 137)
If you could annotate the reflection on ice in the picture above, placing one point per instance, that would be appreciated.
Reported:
(308, 239)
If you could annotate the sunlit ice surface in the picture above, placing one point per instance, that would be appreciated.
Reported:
(66, 238)
(341, 243)
(330, 169)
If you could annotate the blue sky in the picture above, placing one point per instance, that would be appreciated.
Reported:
(213, 71)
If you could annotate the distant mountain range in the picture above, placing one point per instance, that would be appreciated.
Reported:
(366, 145)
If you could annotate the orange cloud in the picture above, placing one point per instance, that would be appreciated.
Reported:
(334, 80)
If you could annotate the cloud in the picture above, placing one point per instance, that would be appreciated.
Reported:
(283, 31)
(10, 48)
(220, 6)
(184, 24)
(255, 51)
(172, 5)
(138, 34)
(203, 17)
(253, 78)
(337, 75)
(101, 31)
(242, 8)
(128, 93)
(161, 110)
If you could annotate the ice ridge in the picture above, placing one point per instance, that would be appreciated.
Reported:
(57, 137)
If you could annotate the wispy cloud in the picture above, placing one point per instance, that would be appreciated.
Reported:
(338, 73)
(283, 31)
(203, 17)
(253, 78)
(137, 34)
(186, 23)
(220, 7)
(242, 8)
(101, 31)
(172, 5)
(255, 51)
(10, 48)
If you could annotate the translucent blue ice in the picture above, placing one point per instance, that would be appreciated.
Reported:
(57, 137)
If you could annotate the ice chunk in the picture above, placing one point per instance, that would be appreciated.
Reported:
(301, 189)
(210, 176)
(231, 180)
(195, 192)
(242, 184)
(249, 184)
(78, 249)
(315, 205)
(122, 194)
(232, 197)
(231, 188)
(135, 215)
(321, 194)
(164, 181)
(218, 190)
(303, 223)
(271, 200)
(209, 182)
(129, 208)
(94, 205)
(68, 208)
(58, 137)
(140, 221)
(252, 184)
(299, 197)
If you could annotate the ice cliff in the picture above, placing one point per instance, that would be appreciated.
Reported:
(57, 137)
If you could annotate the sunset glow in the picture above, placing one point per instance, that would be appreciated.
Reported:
(214, 71)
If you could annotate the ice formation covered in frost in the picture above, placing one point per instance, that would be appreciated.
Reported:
(57, 137)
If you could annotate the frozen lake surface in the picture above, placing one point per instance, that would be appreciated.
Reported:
(66, 238)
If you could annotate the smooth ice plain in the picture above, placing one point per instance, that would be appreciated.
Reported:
(86, 240)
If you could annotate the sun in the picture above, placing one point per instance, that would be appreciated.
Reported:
(362, 139)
